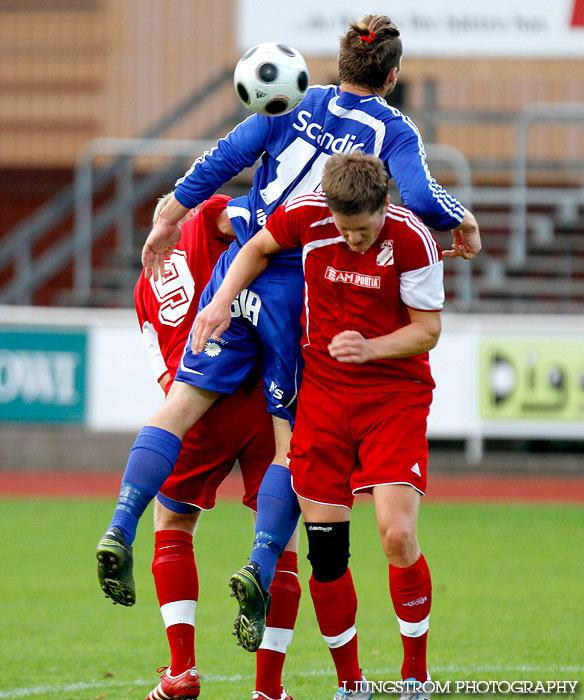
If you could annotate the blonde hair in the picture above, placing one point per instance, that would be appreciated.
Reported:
(162, 201)
(368, 51)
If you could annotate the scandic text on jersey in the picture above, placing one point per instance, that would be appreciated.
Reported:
(337, 144)
(371, 281)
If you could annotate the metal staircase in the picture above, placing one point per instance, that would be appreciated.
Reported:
(533, 250)
(25, 272)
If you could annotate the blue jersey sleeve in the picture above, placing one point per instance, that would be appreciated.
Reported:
(406, 163)
(240, 149)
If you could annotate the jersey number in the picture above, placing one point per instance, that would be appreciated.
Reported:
(247, 304)
(291, 162)
(176, 290)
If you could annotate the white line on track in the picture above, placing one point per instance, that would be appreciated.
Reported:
(105, 685)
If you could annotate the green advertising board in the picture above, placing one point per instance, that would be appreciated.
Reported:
(42, 375)
(532, 379)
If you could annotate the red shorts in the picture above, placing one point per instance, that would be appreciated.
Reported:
(346, 442)
(236, 428)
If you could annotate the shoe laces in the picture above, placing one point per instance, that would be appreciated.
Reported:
(162, 670)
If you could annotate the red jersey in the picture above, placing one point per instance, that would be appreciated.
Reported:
(368, 292)
(167, 308)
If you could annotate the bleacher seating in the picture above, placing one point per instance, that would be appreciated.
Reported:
(75, 71)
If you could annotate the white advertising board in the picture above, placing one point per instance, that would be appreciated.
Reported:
(429, 28)
(512, 376)
(123, 393)
(119, 392)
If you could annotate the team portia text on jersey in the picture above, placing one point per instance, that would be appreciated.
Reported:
(367, 292)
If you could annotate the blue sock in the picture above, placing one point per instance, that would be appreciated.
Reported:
(278, 512)
(151, 460)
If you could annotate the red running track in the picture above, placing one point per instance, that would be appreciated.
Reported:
(452, 487)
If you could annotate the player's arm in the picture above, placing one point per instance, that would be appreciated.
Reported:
(467, 239)
(238, 150)
(163, 237)
(157, 361)
(150, 334)
(419, 336)
(427, 198)
(249, 262)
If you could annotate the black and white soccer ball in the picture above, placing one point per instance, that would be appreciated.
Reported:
(271, 79)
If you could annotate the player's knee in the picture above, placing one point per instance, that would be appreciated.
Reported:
(328, 550)
(398, 541)
(166, 519)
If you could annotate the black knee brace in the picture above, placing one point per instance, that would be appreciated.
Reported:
(328, 550)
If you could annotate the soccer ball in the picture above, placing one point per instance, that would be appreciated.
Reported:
(271, 79)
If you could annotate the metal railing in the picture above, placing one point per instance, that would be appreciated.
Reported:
(17, 247)
(527, 117)
(126, 187)
(136, 148)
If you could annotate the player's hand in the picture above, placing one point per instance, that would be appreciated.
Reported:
(350, 346)
(159, 245)
(210, 322)
(467, 239)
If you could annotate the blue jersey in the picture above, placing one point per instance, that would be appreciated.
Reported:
(294, 148)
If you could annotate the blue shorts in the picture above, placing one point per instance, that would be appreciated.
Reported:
(265, 327)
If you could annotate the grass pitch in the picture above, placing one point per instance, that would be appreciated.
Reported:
(508, 602)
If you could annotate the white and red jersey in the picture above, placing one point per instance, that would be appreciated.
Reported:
(167, 308)
(367, 292)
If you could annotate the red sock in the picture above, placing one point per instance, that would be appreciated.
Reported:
(177, 588)
(411, 594)
(335, 604)
(285, 590)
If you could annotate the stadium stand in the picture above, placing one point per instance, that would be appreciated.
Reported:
(62, 88)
